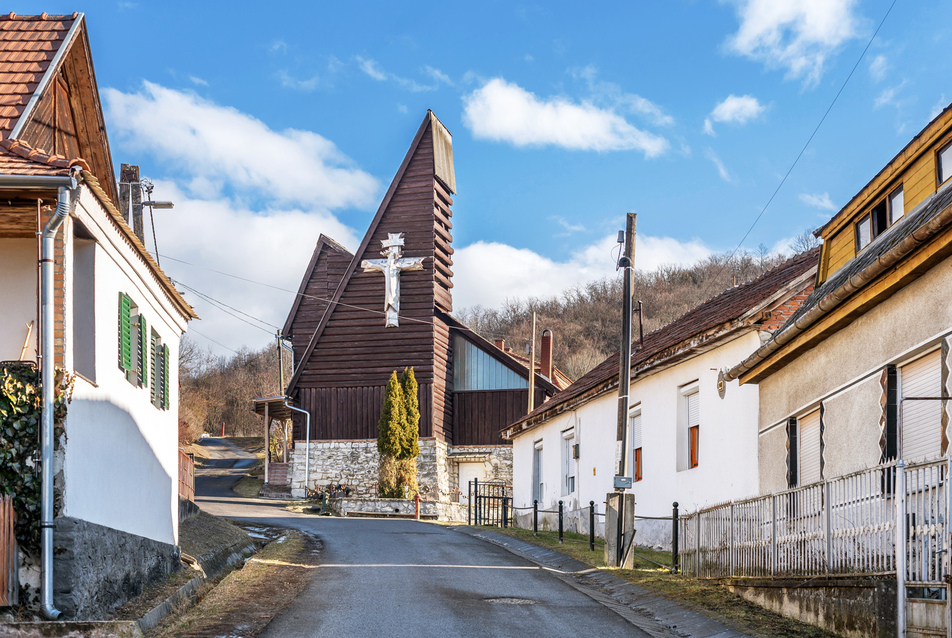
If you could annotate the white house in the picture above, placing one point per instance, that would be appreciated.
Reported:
(115, 321)
(692, 440)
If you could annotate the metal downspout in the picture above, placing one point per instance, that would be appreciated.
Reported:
(48, 395)
(307, 444)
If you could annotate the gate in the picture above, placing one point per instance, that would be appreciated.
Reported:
(490, 503)
(9, 567)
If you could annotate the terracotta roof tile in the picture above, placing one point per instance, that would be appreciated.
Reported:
(28, 45)
(728, 306)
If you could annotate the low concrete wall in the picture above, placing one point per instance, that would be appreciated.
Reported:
(186, 509)
(847, 606)
(98, 568)
(398, 507)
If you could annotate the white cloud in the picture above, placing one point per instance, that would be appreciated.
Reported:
(938, 107)
(888, 97)
(438, 75)
(488, 273)
(796, 35)
(611, 95)
(734, 110)
(372, 68)
(505, 112)
(194, 79)
(818, 200)
(219, 144)
(721, 169)
(290, 82)
(279, 46)
(569, 228)
(878, 67)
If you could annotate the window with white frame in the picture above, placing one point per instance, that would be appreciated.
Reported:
(920, 422)
(634, 425)
(537, 471)
(880, 217)
(944, 161)
(568, 462)
(159, 369)
(689, 426)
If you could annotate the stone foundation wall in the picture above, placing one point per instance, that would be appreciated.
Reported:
(98, 568)
(355, 463)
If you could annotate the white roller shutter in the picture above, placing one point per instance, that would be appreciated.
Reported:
(694, 410)
(921, 420)
(810, 438)
(634, 423)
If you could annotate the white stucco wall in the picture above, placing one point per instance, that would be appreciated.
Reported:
(18, 263)
(727, 464)
(844, 372)
(121, 465)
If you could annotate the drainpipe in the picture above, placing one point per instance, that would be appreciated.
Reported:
(64, 203)
(307, 444)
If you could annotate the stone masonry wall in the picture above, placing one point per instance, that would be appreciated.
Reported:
(497, 465)
(98, 568)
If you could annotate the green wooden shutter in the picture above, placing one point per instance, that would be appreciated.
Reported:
(165, 377)
(143, 352)
(125, 332)
(155, 370)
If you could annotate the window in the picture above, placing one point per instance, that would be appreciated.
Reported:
(879, 218)
(805, 449)
(921, 421)
(945, 163)
(537, 472)
(476, 369)
(125, 333)
(568, 462)
(634, 423)
(689, 426)
(159, 368)
(84, 307)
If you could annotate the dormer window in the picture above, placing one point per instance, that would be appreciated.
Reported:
(945, 163)
(879, 218)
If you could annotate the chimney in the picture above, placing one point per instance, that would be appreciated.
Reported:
(501, 344)
(130, 199)
(545, 368)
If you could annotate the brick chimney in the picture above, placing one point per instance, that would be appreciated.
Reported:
(501, 344)
(130, 196)
(545, 367)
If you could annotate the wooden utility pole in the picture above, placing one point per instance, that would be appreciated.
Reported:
(626, 261)
(532, 365)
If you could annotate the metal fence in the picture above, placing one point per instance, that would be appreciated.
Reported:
(845, 525)
(490, 503)
(9, 563)
(186, 473)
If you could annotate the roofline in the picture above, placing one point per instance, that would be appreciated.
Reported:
(51, 71)
(342, 284)
(322, 241)
(845, 291)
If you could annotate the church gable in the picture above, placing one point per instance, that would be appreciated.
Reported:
(321, 279)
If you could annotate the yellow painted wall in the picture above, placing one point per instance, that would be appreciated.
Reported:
(919, 181)
(840, 249)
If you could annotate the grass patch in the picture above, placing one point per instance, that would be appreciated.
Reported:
(154, 595)
(248, 487)
(251, 444)
(706, 596)
(247, 599)
(204, 533)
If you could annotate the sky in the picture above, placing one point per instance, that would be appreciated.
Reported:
(268, 125)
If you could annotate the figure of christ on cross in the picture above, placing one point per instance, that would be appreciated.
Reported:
(391, 267)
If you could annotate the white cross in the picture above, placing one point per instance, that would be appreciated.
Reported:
(391, 267)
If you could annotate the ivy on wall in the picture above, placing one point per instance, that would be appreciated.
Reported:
(20, 417)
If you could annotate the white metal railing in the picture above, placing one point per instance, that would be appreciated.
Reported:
(845, 525)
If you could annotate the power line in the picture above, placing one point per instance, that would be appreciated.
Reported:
(222, 305)
(807, 144)
(213, 341)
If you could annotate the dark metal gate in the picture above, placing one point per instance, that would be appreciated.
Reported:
(490, 503)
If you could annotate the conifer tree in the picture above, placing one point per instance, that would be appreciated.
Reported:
(391, 432)
(411, 441)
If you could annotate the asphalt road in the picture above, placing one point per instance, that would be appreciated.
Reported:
(381, 577)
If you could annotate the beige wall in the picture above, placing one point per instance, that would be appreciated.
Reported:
(18, 264)
(844, 372)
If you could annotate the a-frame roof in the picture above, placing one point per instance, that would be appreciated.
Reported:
(324, 243)
(50, 110)
(441, 169)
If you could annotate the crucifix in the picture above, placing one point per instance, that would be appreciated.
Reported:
(391, 267)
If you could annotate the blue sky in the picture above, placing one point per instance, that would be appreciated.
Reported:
(269, 125)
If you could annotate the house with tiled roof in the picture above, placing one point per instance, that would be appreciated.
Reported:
(877, 330)
(82, 294)
(692, 436)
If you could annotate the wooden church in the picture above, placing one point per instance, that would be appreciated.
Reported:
(360, 317)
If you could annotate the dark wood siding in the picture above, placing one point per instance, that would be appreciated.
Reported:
(320, 287)
(350, 413)
(479, 416)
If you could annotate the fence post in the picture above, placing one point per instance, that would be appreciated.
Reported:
(560, 522)
(476, 501)
(591, 526)
(900, 536)
(697, 544)
(675, 522)
(505, 512)
(535, 517)
(828, 527)
(469, 503)
(773, 536)
(730, 554)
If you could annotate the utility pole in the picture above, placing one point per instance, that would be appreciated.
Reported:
(280, 364)
(532, 365)
(622, 481)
